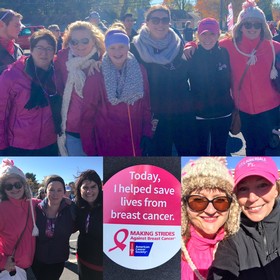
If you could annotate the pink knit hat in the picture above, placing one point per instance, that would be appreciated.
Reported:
(261, 166)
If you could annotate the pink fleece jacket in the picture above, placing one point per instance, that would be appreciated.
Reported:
(201, 251)
(13, 215)
(256, 95)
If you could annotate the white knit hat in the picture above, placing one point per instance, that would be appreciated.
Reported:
(251, 10)
(207, 172)
(8, 168)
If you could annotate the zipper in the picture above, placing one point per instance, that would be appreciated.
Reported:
(262, 232)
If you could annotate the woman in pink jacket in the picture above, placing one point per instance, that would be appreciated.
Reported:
(83, 48)
(17, 224)
(30, 105)
(210, 213)
(123, 120)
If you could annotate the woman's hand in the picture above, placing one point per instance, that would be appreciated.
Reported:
(94, 66)
(189, 51)
(10, 264)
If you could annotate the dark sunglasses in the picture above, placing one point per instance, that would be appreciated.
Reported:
(249, 25)
(198, 203)
(75, 42)
(9, 187)
(157, 20)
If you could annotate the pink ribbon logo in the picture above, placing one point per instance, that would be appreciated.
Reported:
(120, 244)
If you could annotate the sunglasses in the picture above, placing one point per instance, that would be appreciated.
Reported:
(199, 203)
(249, 25)
(157, 20)
(9, 187)
(75, 42)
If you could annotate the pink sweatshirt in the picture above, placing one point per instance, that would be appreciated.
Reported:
(13, 215)
(256, 95)
(201, 251)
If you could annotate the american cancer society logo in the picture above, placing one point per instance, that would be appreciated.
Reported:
(140, 249)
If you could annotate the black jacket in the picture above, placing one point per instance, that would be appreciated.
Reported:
(90, 240)
(169, 89)
(6, 58)
(253, 253)
(54, 249)
(210, 80)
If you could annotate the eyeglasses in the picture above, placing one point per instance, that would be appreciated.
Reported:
(249, 25)
(199, 203)
(9, 187)
(157, 20)
(43, 49)
(56, 30)
(75, 42)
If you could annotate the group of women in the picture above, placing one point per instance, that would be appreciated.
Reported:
(247, 56)
(35, 233)
(93, 98)
(218, 242)
(104, 96)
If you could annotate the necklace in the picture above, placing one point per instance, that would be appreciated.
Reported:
(190, 262)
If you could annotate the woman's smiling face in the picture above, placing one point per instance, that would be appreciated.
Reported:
(208, 222)
(256, 197)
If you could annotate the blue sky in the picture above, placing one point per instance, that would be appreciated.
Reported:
(232, 161)
(66, 167)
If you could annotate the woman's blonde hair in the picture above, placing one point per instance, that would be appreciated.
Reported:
(96, 34)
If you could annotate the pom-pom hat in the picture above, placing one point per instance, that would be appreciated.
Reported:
(251, 10)
(206, 172)
(261, 166)
(8, 169)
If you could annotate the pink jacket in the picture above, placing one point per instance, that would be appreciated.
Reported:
(256, 95)
(119, 128)
(81, 110)
(13, 215)
(21, 128)
(201, 251)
